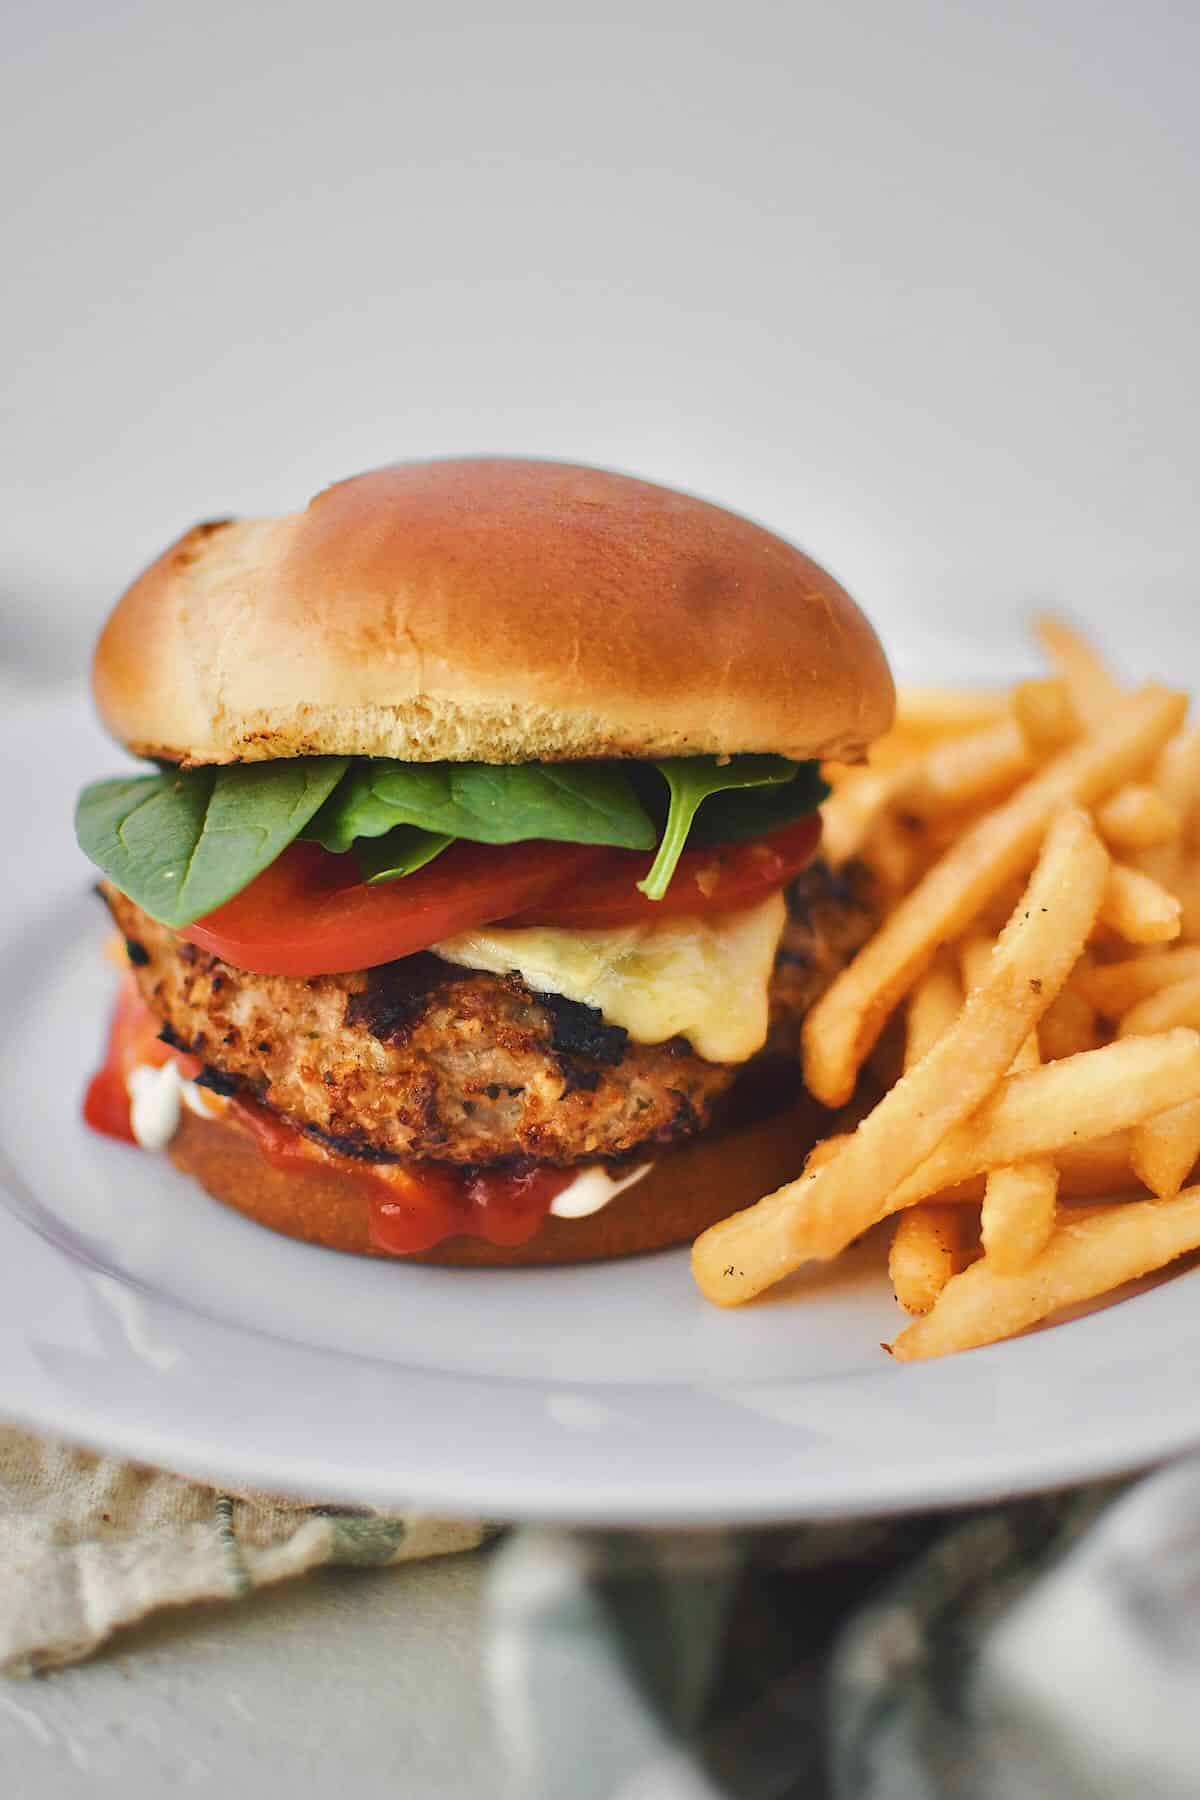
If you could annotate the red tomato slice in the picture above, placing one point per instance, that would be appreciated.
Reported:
(310, 913)
(714, 879)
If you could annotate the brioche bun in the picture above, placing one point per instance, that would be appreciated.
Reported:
(491, 610)
(688, 1188)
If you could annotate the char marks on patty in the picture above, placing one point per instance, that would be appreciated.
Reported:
(423, 1059)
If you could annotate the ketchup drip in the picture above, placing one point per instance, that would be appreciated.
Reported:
(411, 1208)
(132, 1040)
(415, 1207)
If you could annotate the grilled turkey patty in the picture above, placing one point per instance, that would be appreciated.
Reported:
(422, 1059)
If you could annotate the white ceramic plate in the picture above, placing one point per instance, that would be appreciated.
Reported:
(138, 1315)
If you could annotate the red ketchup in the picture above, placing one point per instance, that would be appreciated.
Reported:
(415, 1207)
(132, 1039)
(411, 1208)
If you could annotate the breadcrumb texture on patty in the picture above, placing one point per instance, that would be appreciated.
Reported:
(420, 1059)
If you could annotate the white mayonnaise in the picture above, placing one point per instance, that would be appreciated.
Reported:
(155, 1099)
(591, 1190)
(154, 1102)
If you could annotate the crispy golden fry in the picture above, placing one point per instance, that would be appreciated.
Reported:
(1113, 988)
(892, 853)
(1177, 780)
(825, 1151)
(1019, 1206)
(1137, 817)
(969, 771)
(1069, 1027)
(860, 799)
(933, 1006)
(820, 1213)
(1138, 909)
(1018, 1199)
(1064, 1103)
(1166, 1149)
(1178, 1004)
(1098, 1166)
(928, 713)
(1093, 689)
(844, 1024)
(1187, 889)
(931, 1243)
(1085, 1258)
(1044, 713)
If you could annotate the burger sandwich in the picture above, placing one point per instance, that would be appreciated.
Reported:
(470, 897)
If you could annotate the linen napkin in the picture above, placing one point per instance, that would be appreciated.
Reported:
(1047, 1646)
(89, 1543)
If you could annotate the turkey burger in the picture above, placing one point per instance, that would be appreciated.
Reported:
(470, 896)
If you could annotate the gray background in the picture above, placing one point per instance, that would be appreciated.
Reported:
(915, 283)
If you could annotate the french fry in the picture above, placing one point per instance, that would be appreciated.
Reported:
(1064, 1103)
(1138, 909)
(1187, 890)
(1085, 1257)
(1069, 1027)
(933, 1006)
(1093, 689)
(892, 853)
(1113, 988)
(1137, 817)
(936, 712)
(855, 806)
(1017, 1218)
(1019, 1199)
(820, 1213)
(1178, 1004)
(840, 1030)
(1100, 1166)
(931, 1243)
(1177, 780)
(1096, 1166)
(825, 1151)
(1166, 1148)
(1047, 720)
(970, 771)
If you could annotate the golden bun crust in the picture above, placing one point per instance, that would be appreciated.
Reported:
(491, 610)
(687, 1190)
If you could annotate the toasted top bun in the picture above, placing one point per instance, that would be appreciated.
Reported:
(489, 610)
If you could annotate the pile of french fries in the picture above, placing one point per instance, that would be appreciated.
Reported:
(1030, 1002)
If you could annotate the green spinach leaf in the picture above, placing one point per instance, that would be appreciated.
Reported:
(183, 842)
(691, 780)
(401, 851)
(574, 803)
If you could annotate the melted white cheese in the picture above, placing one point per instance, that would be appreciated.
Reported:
(590, 1190)
(707, 978)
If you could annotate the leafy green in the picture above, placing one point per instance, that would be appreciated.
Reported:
(574, 803)
(184, 841)
(691, 780)
(401, 851)
(733, 814)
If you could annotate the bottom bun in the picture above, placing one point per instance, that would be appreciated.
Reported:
(687, 1189)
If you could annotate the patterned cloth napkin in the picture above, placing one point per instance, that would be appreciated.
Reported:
(88, 1544)
(1043, 1647)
